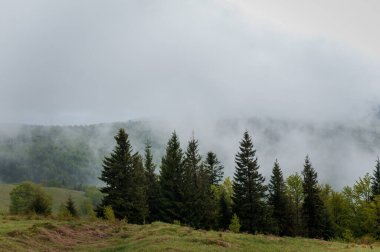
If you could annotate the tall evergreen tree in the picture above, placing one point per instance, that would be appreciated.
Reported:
(249, 191)
(313, 211)
(278, 201)
(125, 189)
(206, 216)
(376, 179)
(116, 174)
(214, 168)
(192, 165)
(152, 185)
(171, 182)
(199, 205)
(138, 203)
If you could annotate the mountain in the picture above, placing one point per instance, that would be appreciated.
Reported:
(72, 155)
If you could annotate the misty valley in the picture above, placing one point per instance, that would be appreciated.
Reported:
(133, 176)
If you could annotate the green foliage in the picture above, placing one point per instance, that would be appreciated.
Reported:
(109, 213)
(375, 187)
(235, 224)
(47, 155)
(70, 206)
(249, 191)
(63, 213)
(339, 212)
(94, 194)
(28, 198)
(153, 195)
(225, 204)
(362, 189)
(197, 192)
(171, 182)
(124, 176)
(279, 202)
(88, 209)
(214, 168)
(137, 204)
(294, 191)
(316, 221)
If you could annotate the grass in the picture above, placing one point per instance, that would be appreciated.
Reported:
(51, 234)
(59, 195)
(21, 234)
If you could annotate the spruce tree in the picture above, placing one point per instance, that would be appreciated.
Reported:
(312, 208)
(70, 207)
(137, 191)
(119, 177)
(171, 182)
(152, 185)
(214, 168)
(206, 205)
(199, 204)
(249, 191)
(376, 179)
(192, 165)
(278, 201)
(116, 173)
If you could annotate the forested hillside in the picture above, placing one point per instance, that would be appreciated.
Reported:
(60, 156)
(72, 155)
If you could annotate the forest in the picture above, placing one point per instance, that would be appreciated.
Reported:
(190, 190)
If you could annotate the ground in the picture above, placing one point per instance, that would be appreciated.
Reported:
(49, 234)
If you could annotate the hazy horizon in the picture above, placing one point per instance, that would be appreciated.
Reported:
(193, 64)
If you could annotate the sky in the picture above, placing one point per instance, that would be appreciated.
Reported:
(195, 63)
(81, 62)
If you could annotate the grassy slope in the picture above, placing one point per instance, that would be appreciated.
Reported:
(81, 235)
(59, 195)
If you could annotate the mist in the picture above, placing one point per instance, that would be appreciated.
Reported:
(192, 66)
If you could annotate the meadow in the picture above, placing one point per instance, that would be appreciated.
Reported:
(58, 195)
(49, 234)
(38, 233)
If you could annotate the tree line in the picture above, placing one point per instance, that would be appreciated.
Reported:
(190, 190)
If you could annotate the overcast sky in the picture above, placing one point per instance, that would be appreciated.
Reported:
(193, 62)
(89, 61)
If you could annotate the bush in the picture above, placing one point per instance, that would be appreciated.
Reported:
(28, 198)
(63, 213)
(108, 213)
(88, 209)
(70, 206)
(347, 236)
(235, 224)
(94, 194)
(366, 239)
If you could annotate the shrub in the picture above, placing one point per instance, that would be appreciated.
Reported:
(94, 194)
(366, 239)
(235, 224)
(347, 236)
(27, 198)
(70, 206)
(63, 213)
(88, 209)
(108, 213)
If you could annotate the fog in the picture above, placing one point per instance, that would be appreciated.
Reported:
(192, 66)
